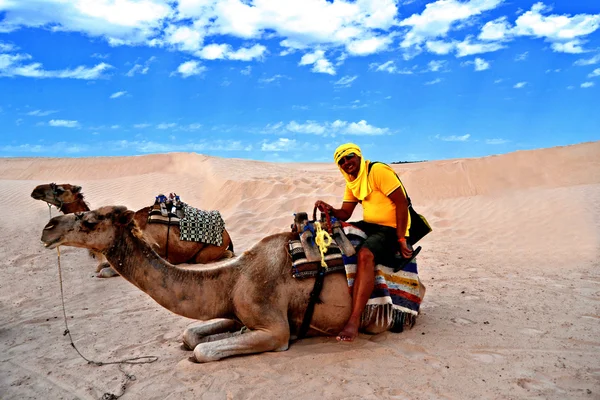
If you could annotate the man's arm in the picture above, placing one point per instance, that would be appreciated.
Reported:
(344, 213)
(401, 203)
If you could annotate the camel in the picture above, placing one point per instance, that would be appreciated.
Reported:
(255, 290)
(69, 199)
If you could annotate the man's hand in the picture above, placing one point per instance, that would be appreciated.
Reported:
(322, 206)
(405, 250)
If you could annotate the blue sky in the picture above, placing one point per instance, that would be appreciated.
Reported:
(290, 80)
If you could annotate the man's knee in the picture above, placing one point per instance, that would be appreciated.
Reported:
(365, 257)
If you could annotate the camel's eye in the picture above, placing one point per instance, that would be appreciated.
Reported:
(89, 224)
(59, 190)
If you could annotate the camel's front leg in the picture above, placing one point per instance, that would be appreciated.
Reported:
(204, 331)
(250, 342)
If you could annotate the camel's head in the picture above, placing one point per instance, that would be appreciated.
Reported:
(57, 194)
(94, 230)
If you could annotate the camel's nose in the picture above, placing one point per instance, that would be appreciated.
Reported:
(37, 195)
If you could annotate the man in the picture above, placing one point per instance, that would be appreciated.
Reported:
(385, 221)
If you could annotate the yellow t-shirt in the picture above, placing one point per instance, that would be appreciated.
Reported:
(377, 206)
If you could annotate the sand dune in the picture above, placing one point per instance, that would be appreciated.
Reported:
(512, 271)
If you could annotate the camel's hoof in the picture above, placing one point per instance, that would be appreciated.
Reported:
(107, 272)
(101, 266)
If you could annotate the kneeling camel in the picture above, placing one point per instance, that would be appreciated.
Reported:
(69, 199)
(255, 290)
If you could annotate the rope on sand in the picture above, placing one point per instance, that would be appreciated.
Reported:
(132, 360)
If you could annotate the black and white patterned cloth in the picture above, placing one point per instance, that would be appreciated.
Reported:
(202, 226)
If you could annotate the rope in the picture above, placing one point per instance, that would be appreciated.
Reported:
(132, 360)
(323, 240)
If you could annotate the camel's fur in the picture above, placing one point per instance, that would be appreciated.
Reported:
(69, 199)
(255, 290)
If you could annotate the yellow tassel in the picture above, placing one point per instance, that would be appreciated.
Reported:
(323, 240)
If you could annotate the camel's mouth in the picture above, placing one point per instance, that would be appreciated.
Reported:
(37, 196)
(51, 244)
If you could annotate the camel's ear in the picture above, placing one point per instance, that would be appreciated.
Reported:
(76, 189)
(125, 217)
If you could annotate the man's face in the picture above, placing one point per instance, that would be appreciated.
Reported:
(350, 164)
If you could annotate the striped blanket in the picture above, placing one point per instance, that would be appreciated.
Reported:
(396, 297)
(396, 294)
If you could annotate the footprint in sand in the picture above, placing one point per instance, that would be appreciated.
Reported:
(462, 321)
(487, 357)
(531, 331)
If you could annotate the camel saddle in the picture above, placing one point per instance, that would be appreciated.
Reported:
(166, 210)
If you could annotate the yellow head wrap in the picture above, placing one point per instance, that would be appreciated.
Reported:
(359, 186)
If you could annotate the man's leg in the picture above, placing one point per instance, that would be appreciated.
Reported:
(364, 282)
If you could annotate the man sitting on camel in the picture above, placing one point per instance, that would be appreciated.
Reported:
(386, 222)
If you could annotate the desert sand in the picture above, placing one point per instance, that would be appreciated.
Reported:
(512, 271)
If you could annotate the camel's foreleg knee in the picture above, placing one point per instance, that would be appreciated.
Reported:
(202, 331)
(250, 342)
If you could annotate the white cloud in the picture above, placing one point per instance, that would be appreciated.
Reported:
(6, 47)
(334, 128)
(363, 128)
(246, 71)
(439, 47)
(155, 147)
(318, 61)
(56, 148)
(588, 61)
(572, 47)
(496, 141)
(63, 123)
(563, 31)
(123, 21)
(345, 81)
(141, 68)
(481, 64)
(433, 82)
(225, 51)
(17, 65)
(40, 113)
(281, 144)
(275, 78)
(468, 48)
(496, 30)
(586, 85)
(368, 46)
(116, 95)
(169, 125)
(389, 67)
(100, 56)
(141, 126)
(454, 138)
(594, 73)
(189, 68)
(440, 17)
(520, 85)
(522, 56)
(436, 65)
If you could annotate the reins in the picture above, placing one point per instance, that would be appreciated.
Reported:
(132, 360)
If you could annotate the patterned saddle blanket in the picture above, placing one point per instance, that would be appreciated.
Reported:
(195, 225)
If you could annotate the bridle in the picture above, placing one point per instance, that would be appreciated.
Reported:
(56, 199)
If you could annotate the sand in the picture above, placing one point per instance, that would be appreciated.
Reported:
(512, 308)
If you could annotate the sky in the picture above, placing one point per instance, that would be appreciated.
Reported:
(290, 80)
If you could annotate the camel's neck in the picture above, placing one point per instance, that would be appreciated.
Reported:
(74, 206)
(197, 294)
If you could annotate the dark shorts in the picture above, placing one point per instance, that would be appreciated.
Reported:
(381, 240)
